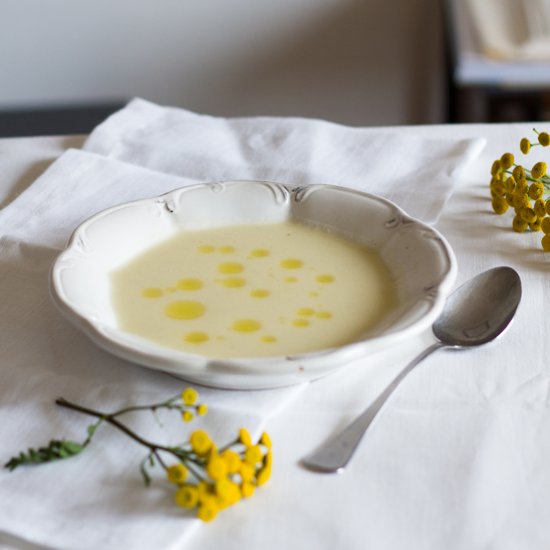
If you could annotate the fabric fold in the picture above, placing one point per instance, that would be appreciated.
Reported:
(288, 150)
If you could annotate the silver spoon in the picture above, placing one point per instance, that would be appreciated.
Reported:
(474, 314)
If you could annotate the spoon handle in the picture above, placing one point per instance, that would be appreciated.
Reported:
(336, 453)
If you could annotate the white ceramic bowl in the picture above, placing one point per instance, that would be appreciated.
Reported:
(418, 257)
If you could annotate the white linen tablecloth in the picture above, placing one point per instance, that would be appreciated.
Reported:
(457, 459)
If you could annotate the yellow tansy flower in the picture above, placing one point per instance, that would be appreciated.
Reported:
(205, 490)
(540, 208)
(536, 190)
(244, 437)
(545, 225)
(500, 205)
(536, 225)
(187, 496)
(545, 241)
(510, 184)
(528, 214)
(507, 161)
(228, 491)
(187, 416)
(263, 476)
(521, 201)
(208, 511)
(519, 225)
(189, 396)
(216, 468)
(200, 442)
(266, 440)
(498, 188)
(177, 473)
(202, 409)
(521, 186)
(518, 172)
(212, 452)
(233, 461)
(247, 489)
(253, 455)
(247, 472)
(539, 170)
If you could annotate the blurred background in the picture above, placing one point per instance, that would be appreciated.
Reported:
(66, 64)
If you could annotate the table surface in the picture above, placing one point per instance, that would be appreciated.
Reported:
(488, 493)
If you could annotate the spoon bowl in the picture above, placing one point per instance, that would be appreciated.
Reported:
(497, 293)
(476, 313)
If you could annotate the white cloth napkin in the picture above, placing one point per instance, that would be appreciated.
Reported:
(287, 150)
(96, 500)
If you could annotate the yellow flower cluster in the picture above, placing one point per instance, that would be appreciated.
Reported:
(222, 477)
(524, 190)
(208, 478)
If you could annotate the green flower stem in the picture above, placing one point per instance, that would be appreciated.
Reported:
(151, 408)
(168, 404)
(110, 418)
(159, 458)
(198, 475)
(228, 446)
(545, 180)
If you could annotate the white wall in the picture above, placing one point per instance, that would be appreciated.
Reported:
(359, 62)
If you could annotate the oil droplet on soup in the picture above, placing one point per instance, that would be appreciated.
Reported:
(259, 253)
(189, 284)
(291, 263)
(183, 310)
(288, 288)
(246, 325)
(323, 315)
(259, 293)
(233, 282)
(230, 268)
(196, 337)
(325, 278)
(152, 292)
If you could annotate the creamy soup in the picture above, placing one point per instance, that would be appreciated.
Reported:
(253, 291)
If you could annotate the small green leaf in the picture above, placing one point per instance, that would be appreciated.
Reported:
(72, 447)
(55, 450)
(69, 448)
(91, 429)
